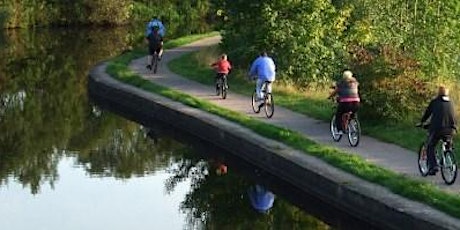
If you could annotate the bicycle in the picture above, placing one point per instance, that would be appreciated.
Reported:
(221, 86)
(350, 126)
(445, 158)
(268, 101)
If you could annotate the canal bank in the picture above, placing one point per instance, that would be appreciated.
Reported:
(371, 203)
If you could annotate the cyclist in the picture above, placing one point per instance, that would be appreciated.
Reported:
(156, 22)
(442, 125)
(155, 43)
(265, 70)
(222, 67)
(348, 97)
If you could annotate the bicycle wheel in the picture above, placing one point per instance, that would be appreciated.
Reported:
(269, 105)
(255, 104)
(354, 132)
(422, 160)
(334, 132)
(449, 167)
(223, 90)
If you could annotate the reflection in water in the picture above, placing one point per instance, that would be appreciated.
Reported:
(261, 198)
(44, 110)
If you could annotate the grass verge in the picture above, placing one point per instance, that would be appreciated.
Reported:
(411, 188)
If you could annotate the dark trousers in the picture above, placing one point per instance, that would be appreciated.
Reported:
(344, 107)
(433, 139)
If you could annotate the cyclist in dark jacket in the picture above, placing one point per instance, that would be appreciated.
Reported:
(442, 124)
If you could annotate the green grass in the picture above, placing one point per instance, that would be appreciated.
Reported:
(397, 183)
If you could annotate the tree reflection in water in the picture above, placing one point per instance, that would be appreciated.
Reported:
(44, 111)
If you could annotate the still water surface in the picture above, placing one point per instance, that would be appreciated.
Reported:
(65, 163)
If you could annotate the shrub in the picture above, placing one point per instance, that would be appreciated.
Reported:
(390, 83)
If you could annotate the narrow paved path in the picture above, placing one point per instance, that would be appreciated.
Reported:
(383, 154)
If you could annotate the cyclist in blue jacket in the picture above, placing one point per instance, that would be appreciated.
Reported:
(265, 70)
(157, 24)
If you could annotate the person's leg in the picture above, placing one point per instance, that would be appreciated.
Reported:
(224, 78)
(269, 87)
(259, 84)
(338, 115)
(217, 80)
(160, 51)
(149, 57)
(433, 139)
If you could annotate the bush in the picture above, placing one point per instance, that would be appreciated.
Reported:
(390, 84)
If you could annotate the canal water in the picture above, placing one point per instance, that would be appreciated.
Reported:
(69, 163)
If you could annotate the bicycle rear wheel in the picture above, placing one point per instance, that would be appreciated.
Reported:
(255, 104)
(422, 160)
(223, 89)
(269, 105)
(449, 167)
(354, 132)
(334, 132)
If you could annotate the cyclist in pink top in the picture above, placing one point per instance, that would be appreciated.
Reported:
(348, 97)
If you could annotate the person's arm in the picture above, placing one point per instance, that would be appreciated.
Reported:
(333, 93)
(229, 67)
(427, 113)
(253, 69)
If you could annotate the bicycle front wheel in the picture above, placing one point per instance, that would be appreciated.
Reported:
(269, 105)
(422, 160)
(334, 131)
(354, 132)
(449, 167)
(255, 104)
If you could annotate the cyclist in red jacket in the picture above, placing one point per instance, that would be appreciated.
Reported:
(222, 67)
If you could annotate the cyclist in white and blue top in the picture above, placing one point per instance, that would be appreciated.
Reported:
(265, 70)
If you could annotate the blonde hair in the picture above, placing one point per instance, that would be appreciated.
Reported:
(443, 91)
(347, 75)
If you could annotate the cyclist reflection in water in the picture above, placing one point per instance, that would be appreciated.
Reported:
(261, 198)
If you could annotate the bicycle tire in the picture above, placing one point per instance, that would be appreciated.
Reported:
(449, 167)
(269, 105)
(223, 90)
(354, 132)
(224, 93)
(334, 132)
(255, 105)
(422, 160)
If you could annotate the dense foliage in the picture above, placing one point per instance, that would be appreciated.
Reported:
(190, 16)
(313, 41)
(395, 47)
